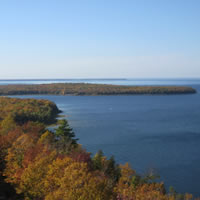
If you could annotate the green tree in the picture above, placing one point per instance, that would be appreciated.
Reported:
(65, 137)
(97, 160)
(8, 124)
(112, 169)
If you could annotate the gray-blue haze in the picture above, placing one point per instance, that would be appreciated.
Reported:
(160, 131)
(138, 81)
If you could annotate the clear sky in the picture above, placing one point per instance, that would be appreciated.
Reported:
(99, 38)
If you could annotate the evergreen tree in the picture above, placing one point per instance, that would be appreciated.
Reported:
(65, 137)
(98, 160)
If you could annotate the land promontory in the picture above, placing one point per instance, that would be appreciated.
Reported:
(91, 89)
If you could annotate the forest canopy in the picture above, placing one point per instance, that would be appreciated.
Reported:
(91, 89)
(22, 110)
(37, 164)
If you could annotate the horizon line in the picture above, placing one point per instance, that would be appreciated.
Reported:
(144, 78)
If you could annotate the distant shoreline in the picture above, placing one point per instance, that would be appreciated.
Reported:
(68, 79)
(61, 79)
(83, 89)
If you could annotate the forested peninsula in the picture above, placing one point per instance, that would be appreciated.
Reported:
(36, 163)
(91, 89)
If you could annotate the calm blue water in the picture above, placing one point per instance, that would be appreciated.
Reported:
(159, 132)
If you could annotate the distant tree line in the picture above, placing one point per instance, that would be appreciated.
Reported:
(91, 89)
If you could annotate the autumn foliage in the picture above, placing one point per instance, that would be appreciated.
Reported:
(51, 165)
(91, 89)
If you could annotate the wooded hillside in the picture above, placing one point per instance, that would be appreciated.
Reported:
(91, 89)
(37, 164)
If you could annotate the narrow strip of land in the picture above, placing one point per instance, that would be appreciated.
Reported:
(91, 89)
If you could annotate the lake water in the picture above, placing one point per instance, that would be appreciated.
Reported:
(160, 132)
(106, 81)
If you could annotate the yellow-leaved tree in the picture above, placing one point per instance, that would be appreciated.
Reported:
(14, 158)
(71, 180)
(31, 183)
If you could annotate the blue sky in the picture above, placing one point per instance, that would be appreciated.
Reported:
(99, 39)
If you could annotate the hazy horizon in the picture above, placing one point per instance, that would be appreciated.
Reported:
(95, 39)
(117, 78)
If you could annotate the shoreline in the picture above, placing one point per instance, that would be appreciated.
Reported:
(87, 89)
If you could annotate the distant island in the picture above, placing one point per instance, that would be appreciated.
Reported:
(91, 89)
